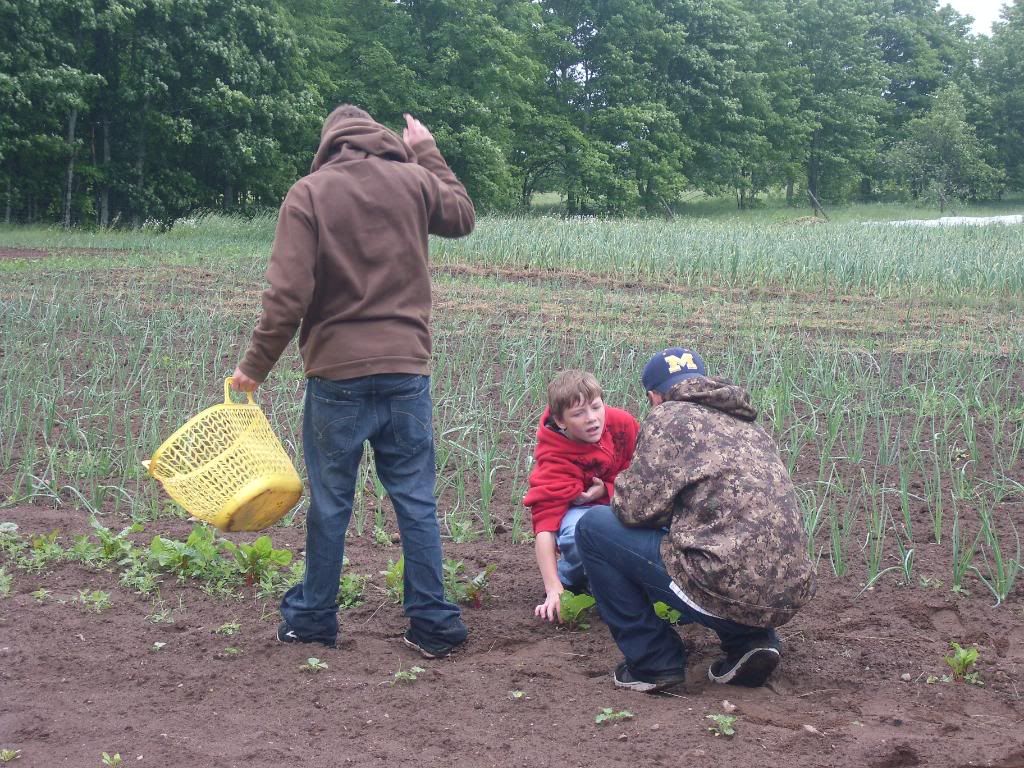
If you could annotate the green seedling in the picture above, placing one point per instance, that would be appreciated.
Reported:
(722, 725)
(157, 646)
(232, 652)
(517, 695)
(96, 601)
(84, 551)
(112, 760)
(228, 628)
(350, 590)
(6, 579)
(114, 547)
(574, 609)
(44, 549)
(469, 592)
(609, 715)
(667, 613)
(258, 560)
(962, 661)
(381, 537)
(9, 755)
(314, 665)
(394, 580)
(41, 595)
(406, 675)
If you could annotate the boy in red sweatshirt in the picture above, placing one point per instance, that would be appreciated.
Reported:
(582, 444)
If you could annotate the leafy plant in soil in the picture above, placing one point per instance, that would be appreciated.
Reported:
(394, 580)
(406, 675)
(722, 725)
(5, 583)
(258, 560)
(96, 601)
(466, 591)
(44, 549)
(314, 665)
(574, 609)
(609, 715)
(9, 755)
(962, 661)
(350, 590)
(112, 760)
(667, 613)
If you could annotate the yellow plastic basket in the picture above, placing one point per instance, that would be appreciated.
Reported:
(226, 466)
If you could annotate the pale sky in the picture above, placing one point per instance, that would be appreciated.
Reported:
(983, 11)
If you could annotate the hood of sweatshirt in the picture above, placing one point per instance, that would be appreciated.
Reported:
(713, 392)
(350, 138)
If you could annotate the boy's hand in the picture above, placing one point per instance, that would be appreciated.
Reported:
(592, 494)
(414, 130)
(242, 383)
(551, 608)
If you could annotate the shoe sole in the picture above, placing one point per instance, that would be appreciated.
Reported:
(424, 652)
(751, 671)
(641, 686)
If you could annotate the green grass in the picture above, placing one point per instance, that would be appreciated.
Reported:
(887, 362)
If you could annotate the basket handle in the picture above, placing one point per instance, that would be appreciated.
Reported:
(227, 394)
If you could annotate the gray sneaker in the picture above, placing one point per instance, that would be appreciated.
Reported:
(750, 670)
(624, 678)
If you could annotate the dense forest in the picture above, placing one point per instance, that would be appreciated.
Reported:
(119, 112)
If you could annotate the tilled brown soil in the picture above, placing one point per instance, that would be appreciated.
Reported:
(853, 688)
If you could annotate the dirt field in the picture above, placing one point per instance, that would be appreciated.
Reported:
(853, 689)
(861, 682)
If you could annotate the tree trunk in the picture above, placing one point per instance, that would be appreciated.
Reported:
(140, 164)
(105, 189)
(72, 120)
(228, 195)
(7, 205)
(789, 192)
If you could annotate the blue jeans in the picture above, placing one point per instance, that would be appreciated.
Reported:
(570, 565)
(395, 414)
(627, 576)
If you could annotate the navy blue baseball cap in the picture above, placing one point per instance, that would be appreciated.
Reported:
(670, 366)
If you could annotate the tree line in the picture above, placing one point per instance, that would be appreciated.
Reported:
(118, 112)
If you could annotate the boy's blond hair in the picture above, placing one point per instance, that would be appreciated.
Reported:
(571, 388)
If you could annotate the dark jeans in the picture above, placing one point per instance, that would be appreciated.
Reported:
(627, 576)
(395, 414)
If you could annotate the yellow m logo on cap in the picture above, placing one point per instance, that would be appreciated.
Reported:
(676, 364)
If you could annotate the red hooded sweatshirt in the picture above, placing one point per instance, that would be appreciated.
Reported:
(564, 468)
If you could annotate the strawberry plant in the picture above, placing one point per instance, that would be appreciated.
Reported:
(350, 590)
(574, 609)
(722, 725)
(96, 601)
(609, 715)
(314, 665)
(667, 613)
(406, 675)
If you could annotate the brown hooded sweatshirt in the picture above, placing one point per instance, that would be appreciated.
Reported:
(704, 468)
(349, 261)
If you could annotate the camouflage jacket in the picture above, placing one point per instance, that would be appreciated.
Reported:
(703, 468)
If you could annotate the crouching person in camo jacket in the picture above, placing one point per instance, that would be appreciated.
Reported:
(705, 520)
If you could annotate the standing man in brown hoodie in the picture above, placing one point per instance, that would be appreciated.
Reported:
(706, 520)
(349, 270)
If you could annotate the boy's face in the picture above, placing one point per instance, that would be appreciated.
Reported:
(583, 421)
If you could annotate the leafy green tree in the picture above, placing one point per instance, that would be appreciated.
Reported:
(941, 157)
(1002, 75)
